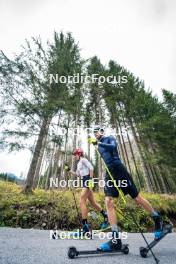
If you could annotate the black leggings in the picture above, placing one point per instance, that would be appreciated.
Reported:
(123, 180)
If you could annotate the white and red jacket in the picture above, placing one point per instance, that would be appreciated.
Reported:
(83, 167)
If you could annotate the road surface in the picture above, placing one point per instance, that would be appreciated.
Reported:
(29, 246)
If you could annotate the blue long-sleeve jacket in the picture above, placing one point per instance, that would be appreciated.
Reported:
(108, 150)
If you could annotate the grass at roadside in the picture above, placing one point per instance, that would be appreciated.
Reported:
(56, 209)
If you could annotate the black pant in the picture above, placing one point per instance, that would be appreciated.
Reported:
(123, 180)
(84, 181)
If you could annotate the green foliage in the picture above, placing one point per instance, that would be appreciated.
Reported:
(56, 209)
(170, 103)
(27, 89)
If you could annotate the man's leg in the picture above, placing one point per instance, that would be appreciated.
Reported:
(111, 192)
(156, 217)
(111, 211)
(115, 243)
(145, 204)
(112, 216)
(133, 192)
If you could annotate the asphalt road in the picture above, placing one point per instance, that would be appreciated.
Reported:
(29, 246)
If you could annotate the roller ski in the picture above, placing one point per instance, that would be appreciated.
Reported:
(73, 252)
(159, 235)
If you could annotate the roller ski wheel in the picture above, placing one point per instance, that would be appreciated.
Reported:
(72, 252)
(143, 252)
(126, 249)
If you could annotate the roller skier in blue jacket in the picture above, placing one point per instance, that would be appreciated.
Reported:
(107, 147)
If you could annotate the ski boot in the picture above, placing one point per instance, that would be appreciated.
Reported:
(111, 245)
(86, 230)
(158, 232)
(105, 225)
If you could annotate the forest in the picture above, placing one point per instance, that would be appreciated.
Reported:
(34, 111)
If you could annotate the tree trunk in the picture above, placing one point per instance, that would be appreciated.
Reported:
(50, 166)
(33, 165)
(142, 158)
(132, 153)
(56, 159)
(155, 184)
(57, 150)
(147, 149)
(63, 174)
(39, 163)
(157, 170)
(126, 154)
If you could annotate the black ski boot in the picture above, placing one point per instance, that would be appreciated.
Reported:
(86, 230)
(158, 226)
(112, 245)
(105, 225)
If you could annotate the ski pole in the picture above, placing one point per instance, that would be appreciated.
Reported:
(78, 215)
(124, 200)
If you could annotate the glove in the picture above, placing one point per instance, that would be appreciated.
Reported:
(66, 167)
(92, 141)
(90, 184)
